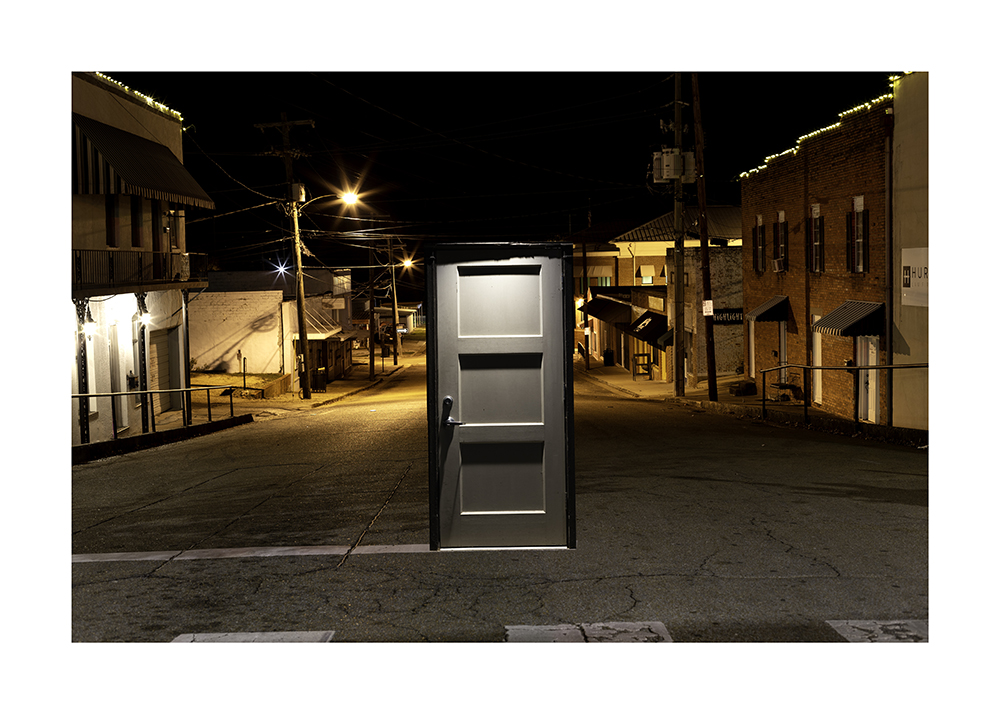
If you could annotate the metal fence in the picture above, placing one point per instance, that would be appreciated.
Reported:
(146, 399)
(808, 369)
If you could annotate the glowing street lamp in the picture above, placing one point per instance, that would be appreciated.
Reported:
(296, 205)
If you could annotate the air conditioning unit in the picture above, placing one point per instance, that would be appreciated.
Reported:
(778, 265)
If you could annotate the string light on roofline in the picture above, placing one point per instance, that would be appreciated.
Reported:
(139, 95)
(795, 149)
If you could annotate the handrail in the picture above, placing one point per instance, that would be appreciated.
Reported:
(187, 417)
(806, 369)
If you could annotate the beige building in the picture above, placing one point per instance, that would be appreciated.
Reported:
(131, 272)
(624, 274)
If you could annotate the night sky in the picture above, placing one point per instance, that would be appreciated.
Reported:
(468, 155)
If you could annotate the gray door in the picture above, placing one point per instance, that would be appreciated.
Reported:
(499, 397)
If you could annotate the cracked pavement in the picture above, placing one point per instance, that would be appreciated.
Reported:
(723, 529)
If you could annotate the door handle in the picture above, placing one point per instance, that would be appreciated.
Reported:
(448, 420)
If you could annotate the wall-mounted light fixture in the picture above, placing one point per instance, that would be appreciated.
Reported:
(89, 326)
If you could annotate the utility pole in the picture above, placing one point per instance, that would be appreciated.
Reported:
(679, 341)
(304, 376)
(287, 154)
(586, 323)
(706, 274)
(371, 314)
(395, 308)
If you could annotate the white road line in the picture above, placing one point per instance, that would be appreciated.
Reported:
(214, 553)
(313, 636)
(881, 630)
(589, 632)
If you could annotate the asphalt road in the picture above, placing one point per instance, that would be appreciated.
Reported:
(723, 529)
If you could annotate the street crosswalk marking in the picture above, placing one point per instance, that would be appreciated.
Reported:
(881, 630)
(308, 636)
(214, 553)
(589, 632)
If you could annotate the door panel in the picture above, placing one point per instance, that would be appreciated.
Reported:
(499, 400)
(159, 369)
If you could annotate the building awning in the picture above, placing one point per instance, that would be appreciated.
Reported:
(653, 329)
(774, 310)
(608, 310)
(318, 327)
(854, 318)
(108, 160)
(593, 271)
(645, 271)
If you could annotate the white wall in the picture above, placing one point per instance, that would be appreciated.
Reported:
(225, 324)
(910, 230)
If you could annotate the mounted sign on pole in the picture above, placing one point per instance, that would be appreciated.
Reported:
(500, 396)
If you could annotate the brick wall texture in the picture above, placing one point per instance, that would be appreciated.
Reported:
(829, 169)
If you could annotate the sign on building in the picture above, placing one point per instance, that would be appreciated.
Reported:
(914, 276)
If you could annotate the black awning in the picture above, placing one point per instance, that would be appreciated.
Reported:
(854, 318)
(653, 329)
(108, 160)
(608, 310)
(774, 310)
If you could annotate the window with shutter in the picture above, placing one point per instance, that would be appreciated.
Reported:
(814, 242)
(857, 241)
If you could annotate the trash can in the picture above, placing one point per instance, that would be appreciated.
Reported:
(609, 357)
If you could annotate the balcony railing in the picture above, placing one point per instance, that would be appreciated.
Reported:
(110, 268)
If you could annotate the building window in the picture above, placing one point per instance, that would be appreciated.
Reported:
(157, 227)
(173, 228)
(759, 240)
(111, 219)
(857, 238)
(135, 218)
(780, 253)
(814, 241)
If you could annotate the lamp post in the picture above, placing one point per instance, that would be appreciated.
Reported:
(300, 305)
(298, 196)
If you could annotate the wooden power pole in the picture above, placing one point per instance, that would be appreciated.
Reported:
(706, 274)
(679, 341)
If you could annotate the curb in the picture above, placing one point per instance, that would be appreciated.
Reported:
(346, 395)
(891, 434)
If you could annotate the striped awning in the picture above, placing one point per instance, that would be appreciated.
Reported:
(107, 160)
(774, 310)
(608, 310)
(854, 318)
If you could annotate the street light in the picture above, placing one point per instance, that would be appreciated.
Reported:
(298, 197)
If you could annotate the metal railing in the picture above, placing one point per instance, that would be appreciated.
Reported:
(96, 268)
(808, 369)
(145, 397)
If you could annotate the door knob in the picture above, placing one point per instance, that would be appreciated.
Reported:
(448, 420)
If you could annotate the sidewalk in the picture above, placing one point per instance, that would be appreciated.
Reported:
(358, 379)
(233, 406)
(791, 412)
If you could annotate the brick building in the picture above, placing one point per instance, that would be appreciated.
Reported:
(820, 264)
(629, 277)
